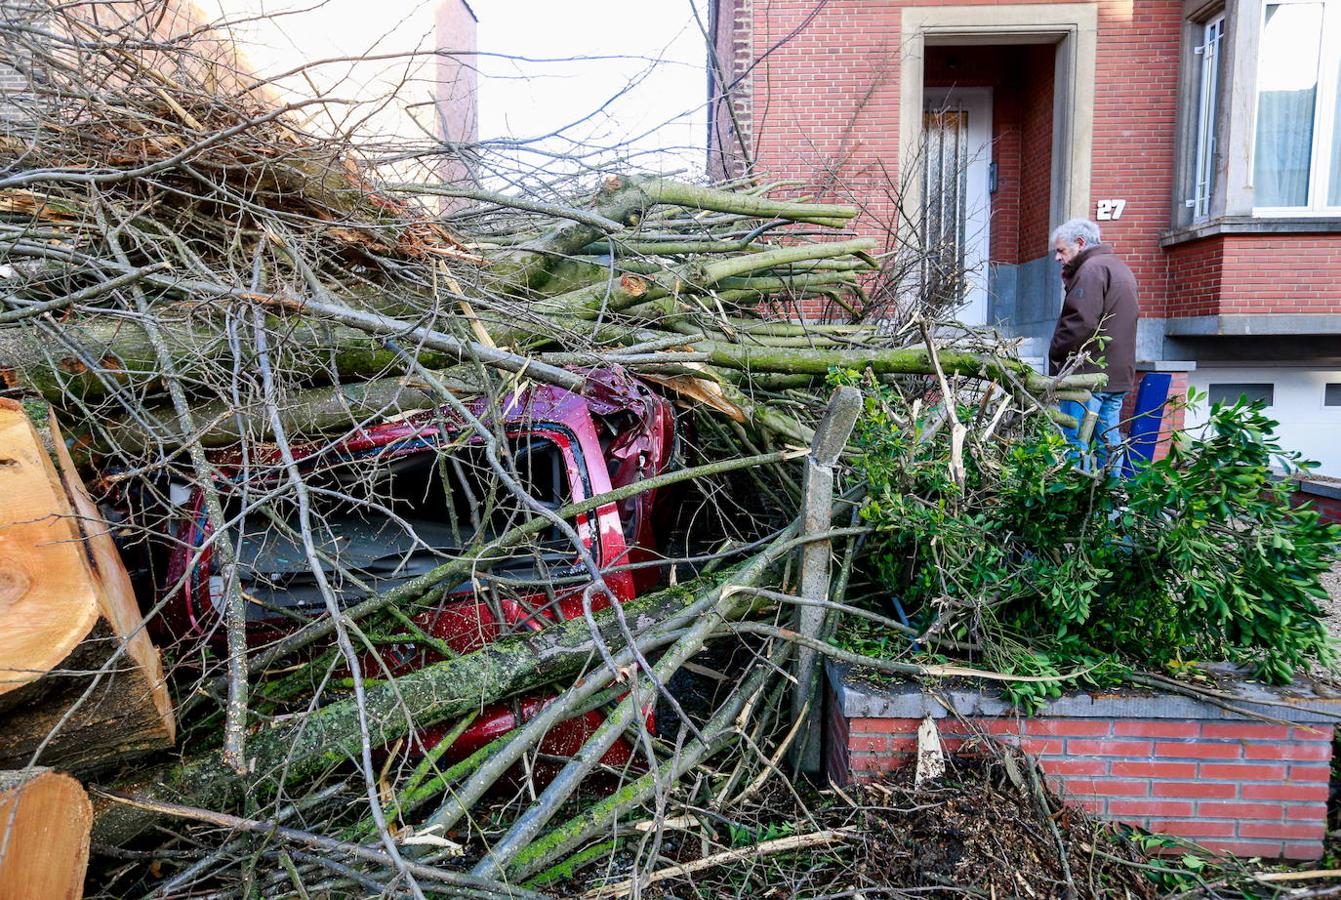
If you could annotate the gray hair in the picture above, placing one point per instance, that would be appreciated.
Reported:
(1077, 228)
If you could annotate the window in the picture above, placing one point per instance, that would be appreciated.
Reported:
(1207, 113)
(944, 219)
(1331, 394)
(1231, 393)
(392, 517)
(1296, 153)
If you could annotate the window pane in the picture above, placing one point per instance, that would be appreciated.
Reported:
(1287, 86)
(1332, 394)
(1334, 183)
(1207, 107)
(1231, 393)
(945, 207)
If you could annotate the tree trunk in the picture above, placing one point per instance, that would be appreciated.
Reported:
(318, 410)
(45, 819)
(309, 349)
(319, 351)
(72, 641)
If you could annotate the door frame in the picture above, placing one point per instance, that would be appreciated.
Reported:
(1072, 27)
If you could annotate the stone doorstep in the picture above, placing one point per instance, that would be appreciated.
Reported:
(1164, 762)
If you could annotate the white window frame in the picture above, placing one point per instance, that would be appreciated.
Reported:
(1208, 109)
(1324, 107)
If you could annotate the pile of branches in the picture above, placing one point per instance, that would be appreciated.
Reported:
(987, 828)
(209, 294)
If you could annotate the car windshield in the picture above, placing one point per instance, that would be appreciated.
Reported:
(384, 517)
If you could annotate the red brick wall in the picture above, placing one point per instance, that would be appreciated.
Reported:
(825, 108)
(1036, 152)
(1175, 418)
(1195, 274)
(825, 99)
(1135, 105)
(1328, 507)
(1242, 787)
(1247, 273)
(731, 43)
(1007, 154)
(1282, 274)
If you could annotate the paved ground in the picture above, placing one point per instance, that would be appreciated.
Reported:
(1332, 581)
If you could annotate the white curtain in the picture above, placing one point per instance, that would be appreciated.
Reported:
(1284, 147)
(1334, 182)
(1287, 90)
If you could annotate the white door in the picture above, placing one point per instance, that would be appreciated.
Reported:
(956, 200)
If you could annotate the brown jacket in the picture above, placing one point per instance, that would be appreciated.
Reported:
(1100, 298)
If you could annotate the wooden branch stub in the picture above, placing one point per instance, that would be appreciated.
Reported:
(831, 435)
(830, 438)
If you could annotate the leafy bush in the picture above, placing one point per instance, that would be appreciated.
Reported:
(1049, 570)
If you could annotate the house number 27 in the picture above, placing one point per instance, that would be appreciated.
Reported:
(1110, 209)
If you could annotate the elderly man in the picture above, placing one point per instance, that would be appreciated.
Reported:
(1098, 318)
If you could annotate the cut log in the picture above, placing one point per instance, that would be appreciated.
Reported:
(45, 820)
(81, 685)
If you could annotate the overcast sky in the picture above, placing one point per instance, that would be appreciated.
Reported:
(653, 53)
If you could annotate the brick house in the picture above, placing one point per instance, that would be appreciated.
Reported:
(1201, 135)
(456, 91)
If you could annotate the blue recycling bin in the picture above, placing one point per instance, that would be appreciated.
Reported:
(1152, 398)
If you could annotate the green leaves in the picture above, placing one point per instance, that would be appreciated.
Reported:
(746, 836)
(1198, 556)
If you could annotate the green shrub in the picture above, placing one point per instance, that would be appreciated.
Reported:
(1049, 570)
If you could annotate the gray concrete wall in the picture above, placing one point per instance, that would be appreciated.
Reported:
(1024, 301)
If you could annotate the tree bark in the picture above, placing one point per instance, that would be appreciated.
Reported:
(318, 410)
(80, 682)
(626, 200)
(319, 351)
(309, 349)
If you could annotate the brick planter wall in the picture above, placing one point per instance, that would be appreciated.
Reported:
(1324, 496)
(1164, 762)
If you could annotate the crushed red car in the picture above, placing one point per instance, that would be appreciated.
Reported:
(397, 499)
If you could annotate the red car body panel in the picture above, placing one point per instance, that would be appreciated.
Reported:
(496, 720)
(597, 455)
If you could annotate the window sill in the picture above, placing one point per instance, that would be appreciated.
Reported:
(1312, 224)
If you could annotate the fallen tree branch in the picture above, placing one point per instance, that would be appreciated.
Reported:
(467, 885)
(725, 857)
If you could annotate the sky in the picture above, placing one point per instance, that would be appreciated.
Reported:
(624, 71)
